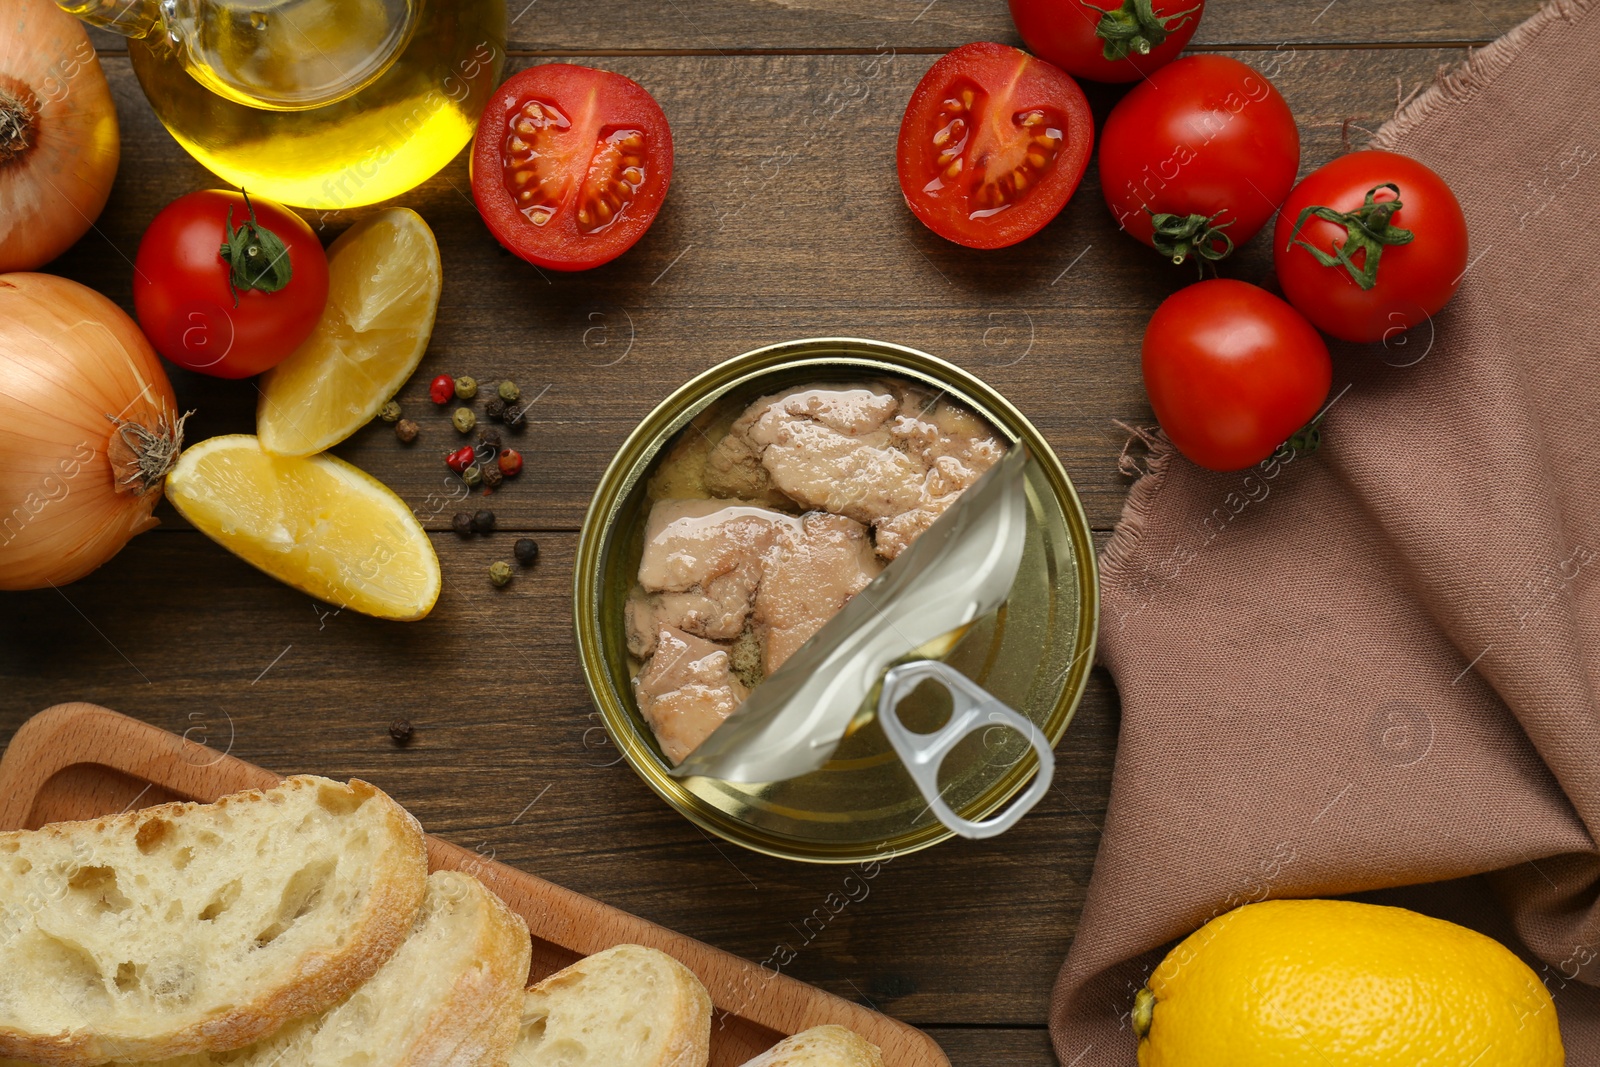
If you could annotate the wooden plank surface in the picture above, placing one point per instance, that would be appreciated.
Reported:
(783, 221)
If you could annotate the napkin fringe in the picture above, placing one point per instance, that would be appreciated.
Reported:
(1141, 500)
(1458, 85)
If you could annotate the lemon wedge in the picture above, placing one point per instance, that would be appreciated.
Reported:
(383, 293)
(315, 522)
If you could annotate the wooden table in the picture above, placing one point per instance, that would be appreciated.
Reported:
(784, 221)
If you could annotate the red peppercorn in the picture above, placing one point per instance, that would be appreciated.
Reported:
(510, 461)
(442, 390)
(460, 459)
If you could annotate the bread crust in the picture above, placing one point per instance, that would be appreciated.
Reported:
(821, 1046)
(476, 1024)
(318, 981)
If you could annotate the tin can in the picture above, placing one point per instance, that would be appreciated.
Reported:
(1035, 653)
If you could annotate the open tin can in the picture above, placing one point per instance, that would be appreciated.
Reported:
(1034, 654)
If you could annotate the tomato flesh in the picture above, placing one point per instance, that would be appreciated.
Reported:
(570, 165)
(992, 145)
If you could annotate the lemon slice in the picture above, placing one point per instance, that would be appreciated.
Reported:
(315, 522)
(383, 293)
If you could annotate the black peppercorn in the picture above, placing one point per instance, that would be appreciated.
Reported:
(526, 551)
(461, 523)
(492, 476)
(490, 439)
(516, 417)
(483, 522)
(401, 730)
(406, 430)
(495, 409)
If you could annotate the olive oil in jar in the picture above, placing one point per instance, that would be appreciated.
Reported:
(408, 80)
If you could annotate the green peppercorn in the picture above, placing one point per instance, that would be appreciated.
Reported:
(492, 475)
(461, 523)
(466, 388)
(527, 551)
(406, 430)
(509, 392)
(483, 521)
(463, 420)
(473, 476)
(390, 412)
(500, 573)
(495, 409)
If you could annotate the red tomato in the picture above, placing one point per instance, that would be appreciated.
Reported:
(1208, 147)
(1232, 372)
(1115, 43)
(1381, 286)
(992, 145)
(228, 321)
(570, 165)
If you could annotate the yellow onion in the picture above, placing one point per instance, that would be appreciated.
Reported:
(88, 430)
(58, 133)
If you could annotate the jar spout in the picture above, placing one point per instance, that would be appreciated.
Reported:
(131, 18)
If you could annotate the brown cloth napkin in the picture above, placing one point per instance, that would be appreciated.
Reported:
(1378, 666)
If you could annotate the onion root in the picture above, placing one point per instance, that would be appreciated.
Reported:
(145, 456)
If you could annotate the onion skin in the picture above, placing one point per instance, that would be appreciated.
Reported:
(56, 175)
(70, 497)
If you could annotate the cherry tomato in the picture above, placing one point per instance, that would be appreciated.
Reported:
(1104, 40)
(570, 165)
(992, 145)
(228, 287)
(1389, 241)
(1196, 159)
(1232, 372)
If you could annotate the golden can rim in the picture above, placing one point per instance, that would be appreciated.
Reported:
(634, 458)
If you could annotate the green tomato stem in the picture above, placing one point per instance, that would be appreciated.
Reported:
(1368, 230)
(1134, 27)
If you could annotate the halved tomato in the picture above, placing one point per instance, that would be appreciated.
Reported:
(992, 145)
(570, 165)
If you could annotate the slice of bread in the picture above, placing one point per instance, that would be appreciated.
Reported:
(190, 927)
(821, 1046)
(628, 1006)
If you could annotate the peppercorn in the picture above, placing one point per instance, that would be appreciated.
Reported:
(461, 523)
(463, 420)
(390, 412)
(491, 440)
(509, 392)
(500, 573)
(460, 459)
(442, 389)
(495, 409)
(491, 476)
(527, 551)
(473, 475)
(483, 521)
(466, 387)
(515, 417)
(406, 430)
(401, 731)
(510, 462)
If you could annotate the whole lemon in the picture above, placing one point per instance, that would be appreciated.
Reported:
(1308, 983)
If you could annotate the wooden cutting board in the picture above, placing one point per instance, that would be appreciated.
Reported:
(79, 761)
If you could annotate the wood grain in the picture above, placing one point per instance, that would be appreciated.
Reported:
(783, 221)
(754, 1007)
(798, 232)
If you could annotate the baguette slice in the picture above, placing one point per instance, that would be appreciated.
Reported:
(450, 997)
(628, 1006)
(190, 927)
(821, 1046)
